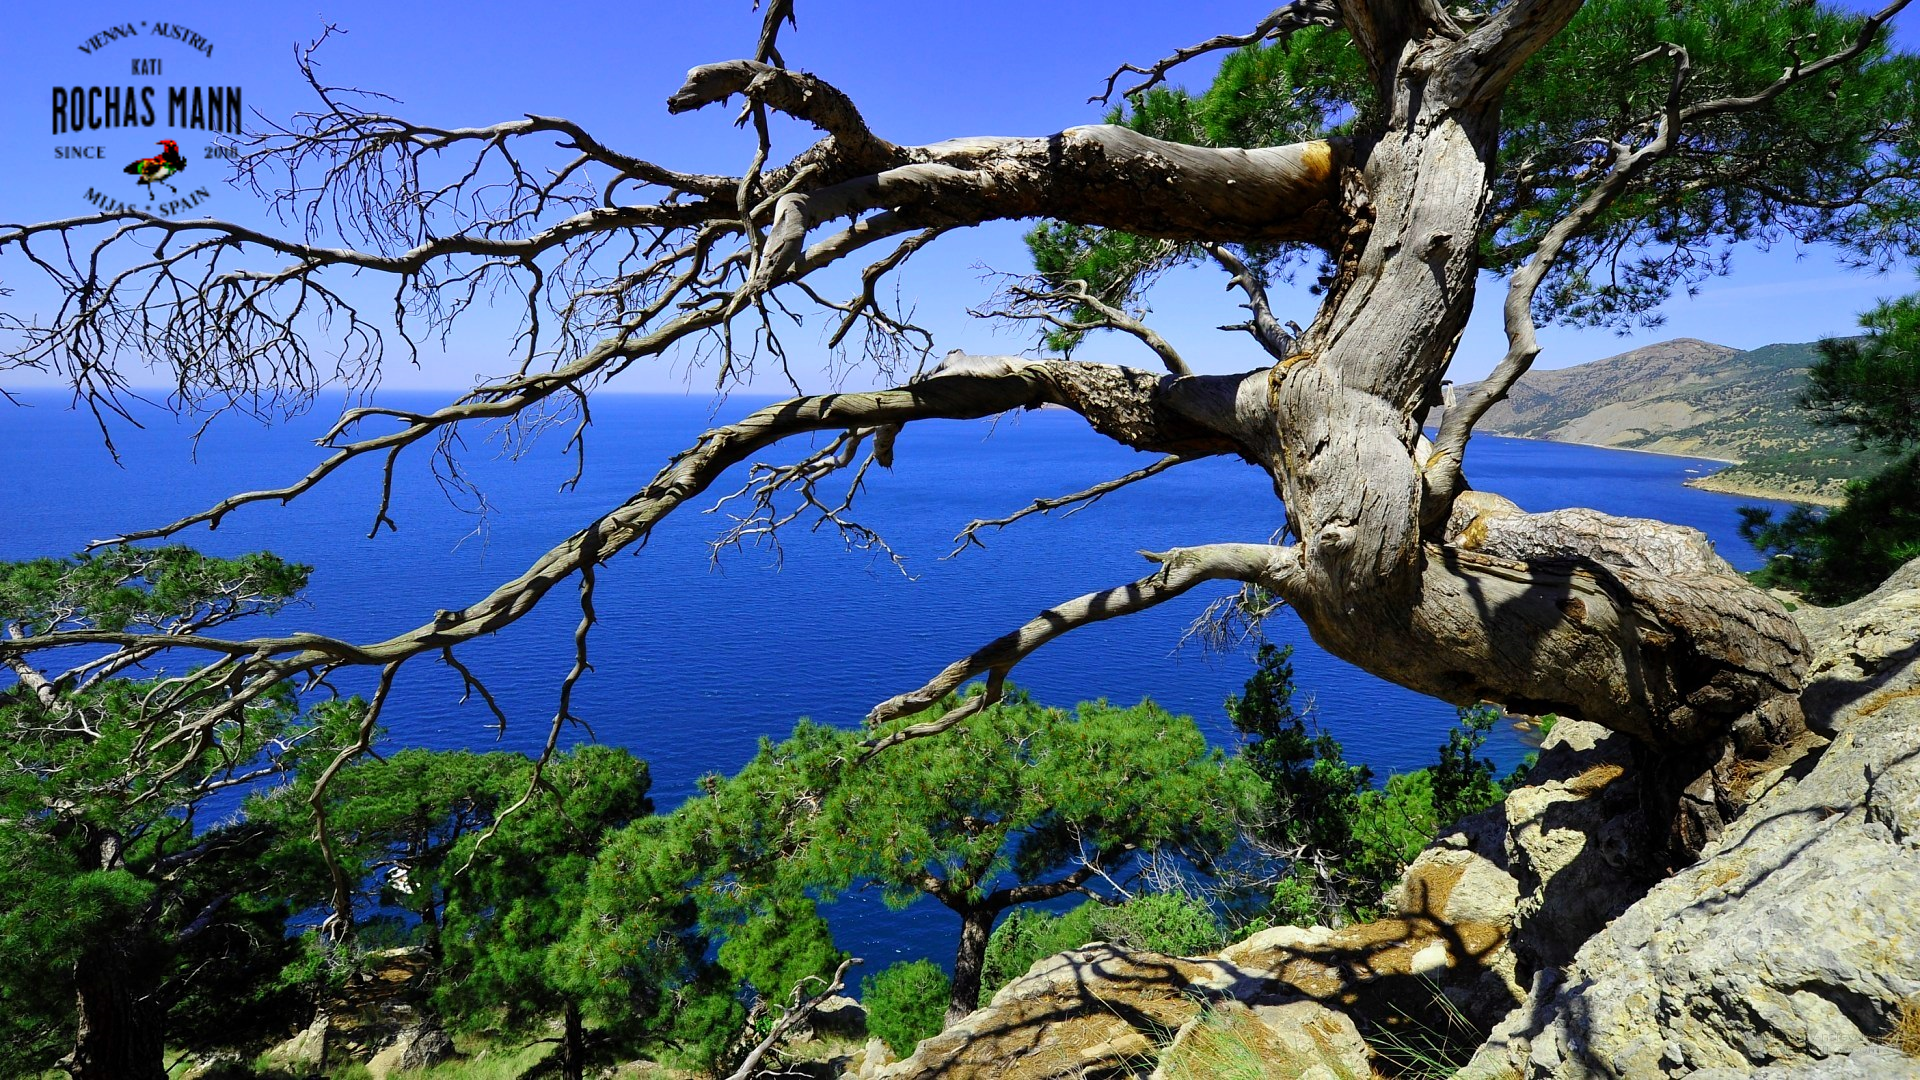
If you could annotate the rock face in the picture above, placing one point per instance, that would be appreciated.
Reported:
(1793, 946)
(1790, 949)
(1286, 992)
(1506, 892)
(1104, 1010)
(306, 1053)
(416, 1047)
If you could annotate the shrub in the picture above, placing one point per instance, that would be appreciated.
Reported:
(906, 1003)
(1026, 935)
(1171, 923)
(1168, 923)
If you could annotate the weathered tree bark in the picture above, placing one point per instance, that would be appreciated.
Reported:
(1633, 624)
(970, 959)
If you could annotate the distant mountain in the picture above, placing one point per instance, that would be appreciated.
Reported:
(1697, 399)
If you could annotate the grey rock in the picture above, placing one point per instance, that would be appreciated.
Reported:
(306, 1053)
(1866, 1063)
(837, 1017)
(1576, 843)
(1793, 946)
(1300, 1040)
(418, 1046)
(1864, 652)
(869, 1062)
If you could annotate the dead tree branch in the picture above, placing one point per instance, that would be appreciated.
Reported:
(1280, 24)
(1079, 500)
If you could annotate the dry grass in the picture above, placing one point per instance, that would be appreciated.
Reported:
(1233, 1044)
(1905, 1034)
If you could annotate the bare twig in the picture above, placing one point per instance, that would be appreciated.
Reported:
(1279, 24)
(1079, 500)
(795, 1014)
(1180, 570)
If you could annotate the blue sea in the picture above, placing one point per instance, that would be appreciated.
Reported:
(696, 659)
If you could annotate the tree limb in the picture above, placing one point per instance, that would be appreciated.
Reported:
(1086, 498)
(1281, 23)
(1442, 471)
(1180, 570)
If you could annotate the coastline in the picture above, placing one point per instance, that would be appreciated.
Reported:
(1707, 482)
(1758, 491)
(1622, 449)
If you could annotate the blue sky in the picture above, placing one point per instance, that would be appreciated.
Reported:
(920, 72)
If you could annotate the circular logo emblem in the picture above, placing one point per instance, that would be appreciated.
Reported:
(144, 110)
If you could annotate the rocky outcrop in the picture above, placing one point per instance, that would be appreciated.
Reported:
(1303, 1040)
(1793, 946)
(1503, 894)
(1291, 992)
(1866, 655)
(418, 1046)
(305, 1054)
(1790, 949)
(1105, 1010)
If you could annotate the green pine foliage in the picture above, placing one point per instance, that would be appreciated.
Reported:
(637, 956)
(109, 876)
(1021, 804)
(1171, 923)
(1869, 386)
(905, 1003)
(399, 818)
(1313, 792)
(1793, 169)
(1836, 555)
(1766, 175)
(1463, 780)
(519, 890)
(1346, 842)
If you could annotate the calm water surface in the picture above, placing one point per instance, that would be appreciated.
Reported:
(697, 662)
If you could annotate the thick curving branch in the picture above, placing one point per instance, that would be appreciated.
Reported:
(1181, 569)
(1098, 175)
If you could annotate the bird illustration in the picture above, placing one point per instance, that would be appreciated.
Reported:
(156, 170)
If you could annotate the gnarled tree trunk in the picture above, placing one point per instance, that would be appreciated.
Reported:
(1395, 565)
(970, 960)
(121, 1034)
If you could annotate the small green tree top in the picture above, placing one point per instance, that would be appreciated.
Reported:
(1311, 786)
(905, 1003)
(1871, 384)
(1037, 793)
(1021, 804)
